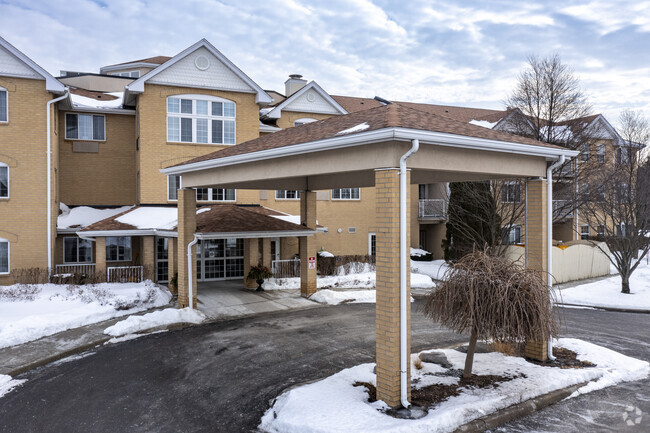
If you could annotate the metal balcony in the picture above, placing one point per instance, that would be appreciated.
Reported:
(432, 208)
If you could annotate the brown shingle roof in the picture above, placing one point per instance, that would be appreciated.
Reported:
(159, 60)
(111, 223)
(386, 116)
(353, 104)
(100, 96)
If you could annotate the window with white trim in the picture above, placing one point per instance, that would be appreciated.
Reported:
(118, 249)
(90, 127)
(77, 250)
(346, 194)
(600, 153)
(511, 192)
(303, 121)
(512, 235)
(4, 180)
(287, 194)
(584, 152)
(173, 185)
(215, 194)
(4, 256)
(372, 244)
(584, 232)
(131, 74)
(200, 119)
(4, 105)
(584, 191)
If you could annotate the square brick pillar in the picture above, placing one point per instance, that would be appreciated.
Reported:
(251, 253)
(186, 230)
(266, 252)
(100, 257)
(536, 247)
(172, 262)
(149, 257)
(307, 244)
(387, 310)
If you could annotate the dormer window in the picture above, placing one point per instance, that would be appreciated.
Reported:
(200, 119)
(4, 112)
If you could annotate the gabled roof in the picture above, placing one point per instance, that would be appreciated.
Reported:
(51, 83)
(138, 85)
(156, 60)
(362, 124)
(276, 112)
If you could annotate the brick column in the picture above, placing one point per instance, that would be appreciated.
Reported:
(251, 253)
(536, 246)
(186, 230)
(307, 244)
(266, 252)
(387, 310)
(172, 262)
(149, 257)
(100, 257)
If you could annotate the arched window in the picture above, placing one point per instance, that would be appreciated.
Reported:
(200, 119)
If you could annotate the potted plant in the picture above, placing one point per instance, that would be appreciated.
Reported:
(259, 273)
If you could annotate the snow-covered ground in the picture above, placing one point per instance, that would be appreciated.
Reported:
(434, 269)
(168, 316)
(363, 280)
(335, 405)
(29, 312)
(607, 293)
(7, 383)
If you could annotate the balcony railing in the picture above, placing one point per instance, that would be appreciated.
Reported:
(125, 274)
(285, 268)
(562, 209)
(75, 268)
(432, 208)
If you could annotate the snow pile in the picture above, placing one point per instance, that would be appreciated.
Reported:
(161, 218)
(363, 280)
(607, 293)
(84, 101)
(483, 123)
(325, 254)
(356, 128)
(29, 312)
(435, 269)
(7, 384)
(335, 405)
(84, 216)
(332, 297)
(417, 252)
(168, 316)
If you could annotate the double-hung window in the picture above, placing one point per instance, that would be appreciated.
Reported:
(4, 105)
(346, 194)
(584, 152)
(215, 194)
(4, 256)
(601, 153)
(173, 185)
(200, 119)
(287, 194)
(85, 127)
(512, 235)
(4, 180)
(77, 250)
(511, 192)
(118, 249)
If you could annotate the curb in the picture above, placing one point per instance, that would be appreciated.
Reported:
(618, 310)
(517, 411)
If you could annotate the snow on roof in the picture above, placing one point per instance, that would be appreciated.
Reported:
(483, 123)
(294, 219)
(83, 216)
(160, 218)
(79, 101)
(356, 128)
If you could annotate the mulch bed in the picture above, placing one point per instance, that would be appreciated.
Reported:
(564, 358)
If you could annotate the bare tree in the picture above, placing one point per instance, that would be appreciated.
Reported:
(619, 210)
(490, 297)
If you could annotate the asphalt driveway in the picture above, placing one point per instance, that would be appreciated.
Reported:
(221, 377)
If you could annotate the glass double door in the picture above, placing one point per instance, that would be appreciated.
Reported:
(220, 259)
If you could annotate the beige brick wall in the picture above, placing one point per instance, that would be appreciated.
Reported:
(22, 148)
(107, 177)
(156, 153)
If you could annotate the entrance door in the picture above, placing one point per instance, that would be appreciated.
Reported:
(220, 259)
(275, 249)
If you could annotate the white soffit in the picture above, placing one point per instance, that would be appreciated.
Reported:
(13, 63)
(310, 99)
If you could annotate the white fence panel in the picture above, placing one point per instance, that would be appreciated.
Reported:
(77, 268)
(125, 274)
(285, 268)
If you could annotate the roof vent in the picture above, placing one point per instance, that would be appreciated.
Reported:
(293, 84)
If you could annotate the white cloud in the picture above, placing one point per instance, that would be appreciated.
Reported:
(610, 16)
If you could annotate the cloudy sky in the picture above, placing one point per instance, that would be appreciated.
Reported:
(447, 52)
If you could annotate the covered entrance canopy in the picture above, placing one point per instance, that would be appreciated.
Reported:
(363, 149)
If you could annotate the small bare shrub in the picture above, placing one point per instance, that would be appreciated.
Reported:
(344, 264)
(31, 276)
(19, 292)
(417, 363)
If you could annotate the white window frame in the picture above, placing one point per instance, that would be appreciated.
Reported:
(76, 239)
(125, 259)
(3, 165)
(212, 194)
(304, 121)
(208, 117)
(584, 152)
(92, 115)
(508, 193)
(3, 240)
(130, 74)
(370, 236)
(583, 235)
(513, 229)
(180, 185)
(601, 153)
(6, 92)
(281, 194)
(346, 199)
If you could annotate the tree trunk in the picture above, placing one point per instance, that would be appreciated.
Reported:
(469, 359)
(625, 284)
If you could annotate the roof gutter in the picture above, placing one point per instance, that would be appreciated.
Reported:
(375, 136)
(48, 154)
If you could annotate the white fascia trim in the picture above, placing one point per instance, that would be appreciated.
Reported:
(253, 235)
(261, 96)
(134, 232)
(618, 139)
(399, 134)
(51, 84)
(102, 110)
(276, 112)
(134, 65)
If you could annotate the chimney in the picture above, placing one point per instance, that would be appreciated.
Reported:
(293, 84)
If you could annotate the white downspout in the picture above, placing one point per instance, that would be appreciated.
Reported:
(403, 263)
(549, 237)
(189, 270)
(49, 180)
